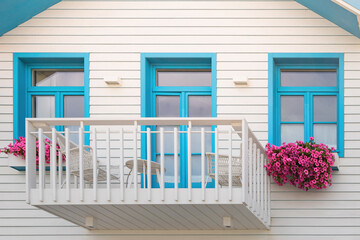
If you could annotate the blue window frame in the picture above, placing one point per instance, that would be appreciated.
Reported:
(151, 63)
(25, 64)
(311, 121)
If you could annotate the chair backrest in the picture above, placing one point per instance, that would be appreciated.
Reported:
(61, 140)
(223, 164)
(75, 154)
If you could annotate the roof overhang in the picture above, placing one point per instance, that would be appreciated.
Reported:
(15, 12)
(344, 13)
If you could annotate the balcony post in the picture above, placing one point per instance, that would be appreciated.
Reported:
(135, 169)
(148, 165)
(53, 163)
(30, 159)
(95, 165)
(245, 167)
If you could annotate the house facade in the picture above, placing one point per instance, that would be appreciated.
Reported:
(275, 71)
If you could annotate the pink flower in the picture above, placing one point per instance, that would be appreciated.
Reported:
(304, 165)
(18, 148)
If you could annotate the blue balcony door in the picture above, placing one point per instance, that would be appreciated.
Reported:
(183, 104)
(182, 93)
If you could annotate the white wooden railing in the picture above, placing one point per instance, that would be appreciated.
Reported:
(114, 141)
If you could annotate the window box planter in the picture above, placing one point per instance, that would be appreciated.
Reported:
(18, 163)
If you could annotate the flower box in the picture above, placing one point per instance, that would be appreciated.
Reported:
(16, 162)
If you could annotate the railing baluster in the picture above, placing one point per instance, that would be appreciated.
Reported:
(230, 164)
(176, 175)
(252, 146)
(216, 164)
(135, 170)
(257, 181)
(81, 162)
(60, 159)
(251, 166)
(262, 184)
(108, 176)
(162, 164)
(244, 161)
(268, 199)
(121, 165)
(255, 175)
(53, 163)
(41, 164)
(265, 191)
(148, 147)
(95, 166)
(67, 163)
(189, 164)
(203, 163)
(30, 157)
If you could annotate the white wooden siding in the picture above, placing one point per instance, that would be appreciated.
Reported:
(241, 33)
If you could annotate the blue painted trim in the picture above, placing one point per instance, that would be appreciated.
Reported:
(22, 65)
(341, 80)
(335, 13)
(307, 61)
(14, 13)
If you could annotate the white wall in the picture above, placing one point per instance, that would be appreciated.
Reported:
(242, 33)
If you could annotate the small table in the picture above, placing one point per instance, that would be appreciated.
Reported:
(142, 168)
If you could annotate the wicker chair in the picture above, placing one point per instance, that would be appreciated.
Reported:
(87, 161)
(223, 169)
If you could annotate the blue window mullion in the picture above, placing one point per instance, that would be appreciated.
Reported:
(308, 116)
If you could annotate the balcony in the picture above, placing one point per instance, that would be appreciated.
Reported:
(191, 173)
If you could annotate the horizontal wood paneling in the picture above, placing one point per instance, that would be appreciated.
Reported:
(241, 33)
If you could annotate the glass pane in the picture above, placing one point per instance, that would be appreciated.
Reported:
(291, 133)
(292, 108)
(308, 78)
(73, 108)
(43, 106)
(196, 168)
(325, 108)
(326, 134)
(196, 140)
(51, 77)
(199, 106)
(169, 167)
(183, 78)
(168, 139)
(168, 106)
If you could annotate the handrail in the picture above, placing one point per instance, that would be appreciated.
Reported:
(39, 122)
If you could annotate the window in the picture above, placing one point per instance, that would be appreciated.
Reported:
(179, 85)
(306, 99)
(48, 85)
